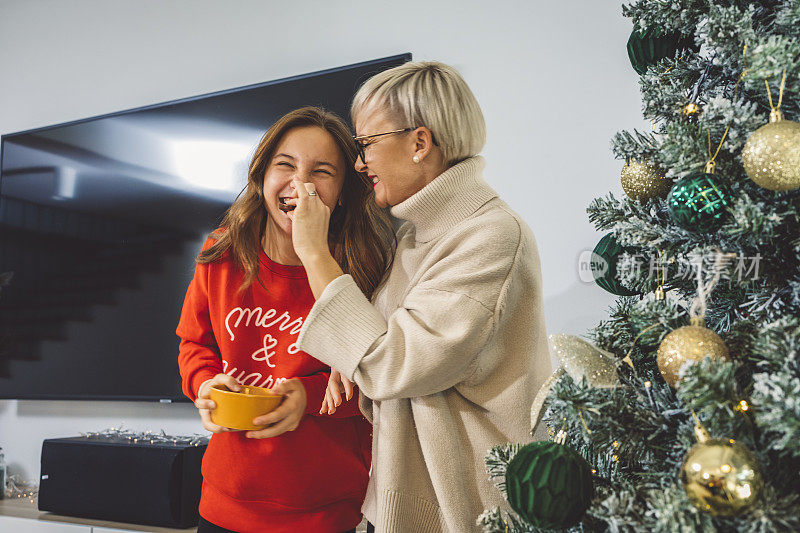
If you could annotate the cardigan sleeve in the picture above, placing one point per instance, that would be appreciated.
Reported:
(434, 338)
(427, 346)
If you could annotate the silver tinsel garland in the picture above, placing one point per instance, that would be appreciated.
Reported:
(120, 435)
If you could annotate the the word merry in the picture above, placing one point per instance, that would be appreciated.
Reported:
(262, 319)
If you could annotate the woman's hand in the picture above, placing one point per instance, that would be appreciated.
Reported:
(310, 220)
(337, 384)
(285, 417)
(205, 405)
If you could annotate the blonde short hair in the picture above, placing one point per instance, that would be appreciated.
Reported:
(430, 94)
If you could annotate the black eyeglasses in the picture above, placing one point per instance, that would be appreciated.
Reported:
(360, 146)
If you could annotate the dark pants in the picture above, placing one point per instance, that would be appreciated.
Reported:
(207, 527)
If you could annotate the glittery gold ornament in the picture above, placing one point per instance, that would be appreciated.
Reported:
(579, 359)
(583, 359)
(642, 181)
(688, 344)
(771, 155)
(720, 476)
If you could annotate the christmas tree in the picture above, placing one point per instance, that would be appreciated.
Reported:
(684, 405)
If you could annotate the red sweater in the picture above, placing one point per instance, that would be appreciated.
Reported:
(311, 479)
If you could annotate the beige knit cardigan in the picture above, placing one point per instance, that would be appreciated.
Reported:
(448, 356)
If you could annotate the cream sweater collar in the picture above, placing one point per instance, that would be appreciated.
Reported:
(451, 197)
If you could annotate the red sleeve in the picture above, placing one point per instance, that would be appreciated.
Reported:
(198, 354)
(315, 386)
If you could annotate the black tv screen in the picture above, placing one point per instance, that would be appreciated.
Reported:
(100, 222)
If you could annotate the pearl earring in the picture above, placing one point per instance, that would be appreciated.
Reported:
(415, 159)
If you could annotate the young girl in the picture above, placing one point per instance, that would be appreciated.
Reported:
(239, 325)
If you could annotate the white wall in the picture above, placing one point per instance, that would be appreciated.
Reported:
(552, 77)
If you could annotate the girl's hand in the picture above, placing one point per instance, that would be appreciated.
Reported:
(310, 220)
(287, 416)
(205, 405)
(337, 384)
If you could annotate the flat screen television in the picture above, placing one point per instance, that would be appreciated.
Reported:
(100, 222)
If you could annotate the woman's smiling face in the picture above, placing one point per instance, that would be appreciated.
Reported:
(388, 162)
(310, 154)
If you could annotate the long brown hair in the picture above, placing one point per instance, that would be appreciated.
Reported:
(359, 233)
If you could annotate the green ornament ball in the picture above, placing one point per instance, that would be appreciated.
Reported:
(651, 46)
(604, 258)
(549, 485)
(699, 202)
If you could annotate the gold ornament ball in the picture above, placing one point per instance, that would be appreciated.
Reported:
(721, 477)
(642, 181)
(688, 344)
(771, 155)
(580, 358)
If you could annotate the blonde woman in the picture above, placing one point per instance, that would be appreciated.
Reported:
(239, 326)
(450, 350)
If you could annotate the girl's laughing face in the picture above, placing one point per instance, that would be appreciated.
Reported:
(310, 154)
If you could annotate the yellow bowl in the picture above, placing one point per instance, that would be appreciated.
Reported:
(236, 410)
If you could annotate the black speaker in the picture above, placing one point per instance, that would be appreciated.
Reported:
(137, 482)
